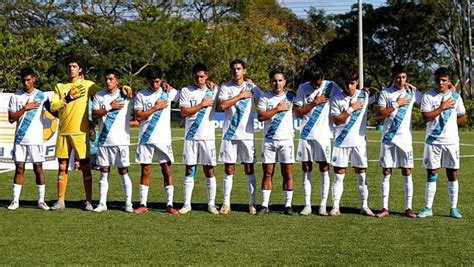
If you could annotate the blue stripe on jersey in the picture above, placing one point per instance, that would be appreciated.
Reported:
(153, 121)
(316, 113)
(354, 116)
(30, 114)
(397, 121)
(197, 122)
(278, 118)
(444, 117)
(239, 113)
(107, 126)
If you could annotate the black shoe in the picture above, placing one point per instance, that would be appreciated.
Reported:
(263, 210)
(288, 211)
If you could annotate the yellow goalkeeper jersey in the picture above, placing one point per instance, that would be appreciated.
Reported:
(73, 116)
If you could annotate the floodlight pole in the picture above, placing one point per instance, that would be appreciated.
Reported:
(361, 49)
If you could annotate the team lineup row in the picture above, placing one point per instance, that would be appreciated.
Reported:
(327, 112)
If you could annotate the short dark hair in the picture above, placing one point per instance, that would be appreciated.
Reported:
(315, 73)
(115, 72)
(442, 72)
(199, 67)
(397, 69)
(27, 71)
(237, 61)
(74, 59)
(351, 75)
(275, 71)
(154, 72)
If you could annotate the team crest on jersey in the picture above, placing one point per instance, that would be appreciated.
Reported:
(334, 159)
(300, 153)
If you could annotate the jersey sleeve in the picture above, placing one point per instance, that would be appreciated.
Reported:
(222, 95)
(336, 89)
(373, 98)
(426, 103)
(262, 104)
(299, 99)
(257, 93)
(174, 95)
(184, 98)
(93, 89)
(460, 109)
(57, 101)
(418, 97)
(335, 109)
(12, 107)
(138, 102)
(96, 103)
(383, 99)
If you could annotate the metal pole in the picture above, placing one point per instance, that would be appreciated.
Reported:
(361, 49)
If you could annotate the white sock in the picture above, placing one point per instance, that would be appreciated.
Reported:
(430, 191)
(169, 195)
(211, 191)
(337, 189)
(363, 187)
(324, 185)
(143, 194)
(103, 187)
(385, 188)
(408, 191)
(266, 197)
(16, 191)
(228, 180)
(288, 197)
(41, 190)
(127, 188)
(188, 190)
(306, 182)
(251, 186)
(453, 189)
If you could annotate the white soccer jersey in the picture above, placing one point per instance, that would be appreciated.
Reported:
(397, 126)
(280, 126)
(199, 126)
(156, 129)
(352, 132)
(30, 123)
(238, 118)
(443, 130)
(114, 128)
(316, 124)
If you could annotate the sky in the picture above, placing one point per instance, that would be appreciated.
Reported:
(299, 7)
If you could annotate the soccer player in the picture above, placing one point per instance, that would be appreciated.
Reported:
(396, 150)
(112, 109)
(236, 98)
(312, 105)
(349, 115)
(443, 111)
(25, 108)
(275, 110)
(197, 107)
(153, 109)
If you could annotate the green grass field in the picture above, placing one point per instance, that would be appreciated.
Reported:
(33, 237)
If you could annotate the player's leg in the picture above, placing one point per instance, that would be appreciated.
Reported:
(169, 186)
(287, 174)
(18, 180)
(408, 192)
(363, 189)
(144, 187)
(324, 185)
(306, 168)
(40, 185)
(103, 188)
(268, 169)
(453, 191)
(211, 188)
(190, 160)
(63, 150)
(251, 187)
(126, 187)
(229, 170)
(385, 191)
(81, 146)
(340, 162)
(432, 163)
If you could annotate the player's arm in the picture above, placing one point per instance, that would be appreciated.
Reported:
(432, 115)
(144, 114)
(190, 111)
(224, 104)
(264, 115)
(342, 117)
(461, 119)
(15, 116)
(99, 113)
(384, 112)
(57, 103)
(300, 111)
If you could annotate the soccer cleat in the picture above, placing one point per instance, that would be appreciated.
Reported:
(185, 209)
(322, 211)
(100, 208)
(128, 208)
(455, 213)
(409, 213)
(426, 212)
(263, 210)
(14, 205)
(88, 206)
(171, 210)
(43, 206)
(142, 209)
(225, 209)
(383, 213)
(366, 212)
(59, 205)
(212, 209)
(252, 210)
(306, 210)
(335, 212)
(288, 211)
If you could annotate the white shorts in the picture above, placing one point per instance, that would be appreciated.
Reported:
(357, 155)
(201, 152)
(393, 156)
(145, 153)
(274, 151)
(28, 153)
(243, 149)
(441, 156)
(113, 156)
(314, 150)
